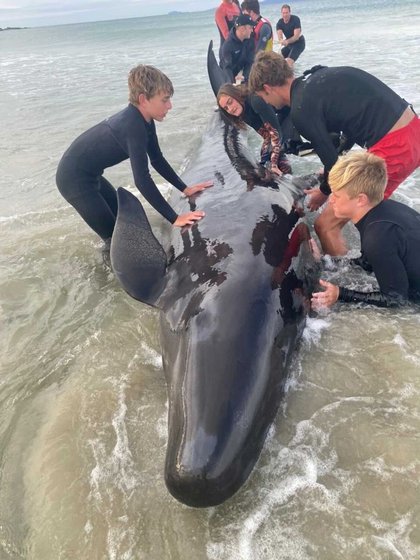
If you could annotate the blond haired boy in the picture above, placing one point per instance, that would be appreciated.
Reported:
(389, 233)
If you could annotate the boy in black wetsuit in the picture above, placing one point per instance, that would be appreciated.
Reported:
(131, 133)
(348, 100)
(389, 233)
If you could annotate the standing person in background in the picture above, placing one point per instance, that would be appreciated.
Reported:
(225, 17)
(238, 50)
(289, 32)
(263, 32)
(129, 134)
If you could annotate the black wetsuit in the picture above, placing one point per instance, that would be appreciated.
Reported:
(390, 242)
(342, 99)
(124, 135)
(294, 50)
(257, 112)
(237, 55)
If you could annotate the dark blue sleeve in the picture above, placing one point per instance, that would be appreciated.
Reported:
(137, 150)
(311, 125)
(160, 163)
(249, 58)
(264, 110)
(226, 61)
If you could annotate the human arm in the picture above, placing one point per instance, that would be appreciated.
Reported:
(189, 218)
(160, 164)
(383, 245)
(332, 293)
(137, 151)
(264, 37)
(297, 33)
(226, 61)
(317, 134)
(279, 30)
(270, 130)
(221, 22)
(140, 144)
(248, 59)
(198, 187)
(164, 169)
(271, 138)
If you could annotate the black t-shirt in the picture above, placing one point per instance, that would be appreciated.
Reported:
(126, 135)
(345, 100)
(289, 27)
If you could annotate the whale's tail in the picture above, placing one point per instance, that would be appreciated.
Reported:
(137, 257)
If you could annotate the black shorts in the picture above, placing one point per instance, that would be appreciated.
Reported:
(294, 50)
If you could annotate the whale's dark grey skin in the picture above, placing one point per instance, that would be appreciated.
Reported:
(233, 293)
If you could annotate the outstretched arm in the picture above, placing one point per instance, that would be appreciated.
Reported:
(333, 293)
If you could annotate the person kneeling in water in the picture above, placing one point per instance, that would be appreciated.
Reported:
(243, 109)
(129, 134)
(389, 233)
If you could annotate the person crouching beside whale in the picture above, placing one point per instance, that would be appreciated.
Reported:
(129, 134)
(347, 100)
(389, 233)
(242, 109)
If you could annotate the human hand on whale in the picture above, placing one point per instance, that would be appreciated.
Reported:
(189, 218)
(198, 187)
(327, 297)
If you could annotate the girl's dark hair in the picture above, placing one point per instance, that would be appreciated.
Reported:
(240, 93)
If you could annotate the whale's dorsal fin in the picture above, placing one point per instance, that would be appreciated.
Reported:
(137, 257)
(217, 76)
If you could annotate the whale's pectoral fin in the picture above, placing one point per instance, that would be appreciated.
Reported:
(137, 257)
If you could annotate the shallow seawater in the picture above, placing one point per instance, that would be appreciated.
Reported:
(82, 393)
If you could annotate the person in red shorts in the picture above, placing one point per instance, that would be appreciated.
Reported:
(344, 100)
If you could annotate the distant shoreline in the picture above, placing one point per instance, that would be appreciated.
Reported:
(11, 28)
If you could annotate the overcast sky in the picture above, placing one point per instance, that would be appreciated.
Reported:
(30, 13)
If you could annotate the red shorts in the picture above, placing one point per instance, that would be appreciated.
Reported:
(401, 151)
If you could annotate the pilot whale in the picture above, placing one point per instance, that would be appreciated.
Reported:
(233, 292)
